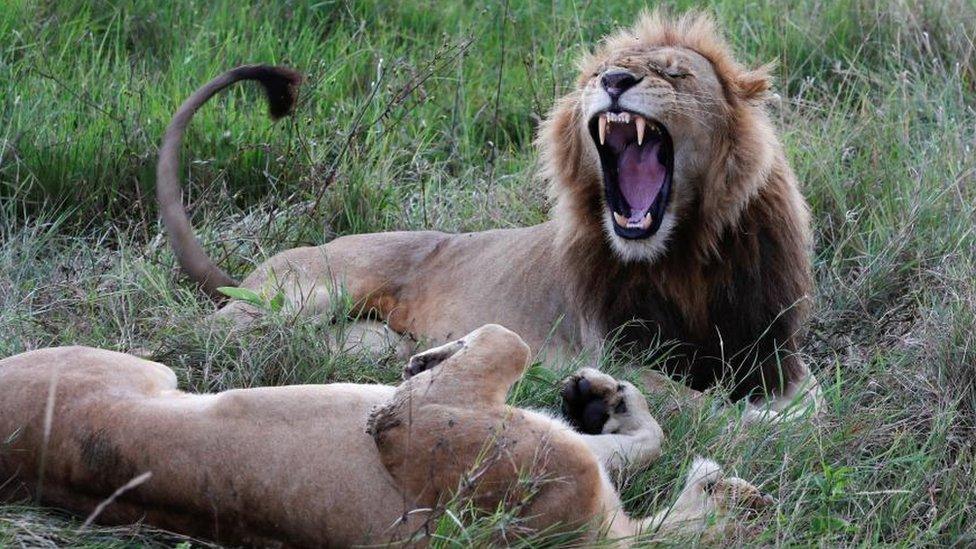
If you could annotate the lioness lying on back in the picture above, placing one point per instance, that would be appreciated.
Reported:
(296, 465)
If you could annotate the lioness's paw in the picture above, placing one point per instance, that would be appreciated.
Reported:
(427, 360)
(724, 493)
(595, 403)
(736, 494)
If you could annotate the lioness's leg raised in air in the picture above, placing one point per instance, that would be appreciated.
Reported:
(612, 417)
(483, 367)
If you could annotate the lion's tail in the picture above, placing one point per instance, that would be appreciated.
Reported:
(281, 87)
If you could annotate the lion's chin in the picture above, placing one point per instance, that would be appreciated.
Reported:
(642, 250)
(637, 160)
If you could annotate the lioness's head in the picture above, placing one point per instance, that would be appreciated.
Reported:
(664, 128)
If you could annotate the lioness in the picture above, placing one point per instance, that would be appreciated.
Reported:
(335, 464)
(677, 218)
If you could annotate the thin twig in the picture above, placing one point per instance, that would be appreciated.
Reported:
(52, 390)
(134, 483)
(498, 92)
(432, 68)
(82, 97)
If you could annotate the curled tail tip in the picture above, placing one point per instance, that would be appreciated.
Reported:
(280, 85)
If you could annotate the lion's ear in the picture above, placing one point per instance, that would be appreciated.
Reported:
(754, 84)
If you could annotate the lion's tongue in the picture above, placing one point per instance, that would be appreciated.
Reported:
(640, 176)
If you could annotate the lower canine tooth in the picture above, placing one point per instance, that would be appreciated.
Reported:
(646, 222)
(621, 220)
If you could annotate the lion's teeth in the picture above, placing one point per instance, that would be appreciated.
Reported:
(640, 122)
(603, 128)
(620, 219)
(643, 224)
(646, 222)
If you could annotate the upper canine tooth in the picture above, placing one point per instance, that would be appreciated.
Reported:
(603, 128)
(640, 123)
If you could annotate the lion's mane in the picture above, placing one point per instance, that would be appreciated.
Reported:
(733, 283)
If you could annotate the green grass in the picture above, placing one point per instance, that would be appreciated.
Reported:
(420, 115)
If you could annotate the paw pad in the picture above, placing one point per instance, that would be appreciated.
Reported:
(588, 401)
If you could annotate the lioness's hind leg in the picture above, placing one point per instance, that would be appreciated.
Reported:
(707, 502)
(479, 368)
(426, 360)
(613, 418)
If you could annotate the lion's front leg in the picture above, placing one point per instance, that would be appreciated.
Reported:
(801, 398)
(612, 417)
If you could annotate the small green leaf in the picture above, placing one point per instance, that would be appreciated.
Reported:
(277, 302)
(242, 294)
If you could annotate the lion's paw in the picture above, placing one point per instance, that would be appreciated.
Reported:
(595, 403)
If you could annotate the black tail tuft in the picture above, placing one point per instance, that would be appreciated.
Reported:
(280, 86)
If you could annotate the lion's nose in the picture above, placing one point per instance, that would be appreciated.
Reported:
(617, 82)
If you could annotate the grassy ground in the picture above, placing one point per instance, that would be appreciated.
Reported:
(420, 115)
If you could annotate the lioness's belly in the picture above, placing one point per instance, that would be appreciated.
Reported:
(287, 463)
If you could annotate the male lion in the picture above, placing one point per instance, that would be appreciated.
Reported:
(340, 464)
(677, 218)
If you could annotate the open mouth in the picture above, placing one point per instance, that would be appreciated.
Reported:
(638, 158)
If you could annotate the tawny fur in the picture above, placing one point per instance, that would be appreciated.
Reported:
(727, 278)
(294, 466)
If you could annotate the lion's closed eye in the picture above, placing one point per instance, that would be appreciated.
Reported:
(670, 73)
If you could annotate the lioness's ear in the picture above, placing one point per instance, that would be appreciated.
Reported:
(754, 84)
